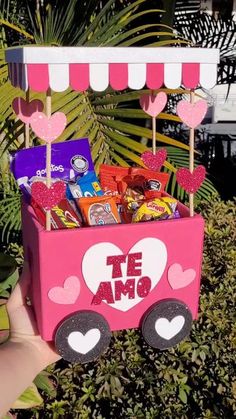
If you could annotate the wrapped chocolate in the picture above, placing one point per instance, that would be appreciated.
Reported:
(63, 215)
(99, 210)
(88, 186)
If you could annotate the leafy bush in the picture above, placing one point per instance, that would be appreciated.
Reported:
(196, 379)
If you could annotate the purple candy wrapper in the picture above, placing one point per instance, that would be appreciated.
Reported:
(70, 159)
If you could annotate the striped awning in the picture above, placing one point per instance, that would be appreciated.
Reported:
(81, 68)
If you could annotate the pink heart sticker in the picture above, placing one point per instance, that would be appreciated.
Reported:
(192, 114)
(24, 109)
(178, 278)
(48, 128)
(68, 293)
(191, 182)
(153, 104)
(154, 161)
(48, 197)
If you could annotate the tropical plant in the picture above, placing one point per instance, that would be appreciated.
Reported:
(107, 119)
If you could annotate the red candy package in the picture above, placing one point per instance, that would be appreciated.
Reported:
(115, 180)
(63, 215)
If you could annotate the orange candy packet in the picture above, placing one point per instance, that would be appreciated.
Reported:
(99, 210)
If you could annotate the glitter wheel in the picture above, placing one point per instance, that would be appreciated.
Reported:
(82, 337)
(166, 323)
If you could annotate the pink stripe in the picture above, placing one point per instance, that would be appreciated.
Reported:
(190, 75)
(79, 76)
(155, 76)
(118, 76)
(38, 77)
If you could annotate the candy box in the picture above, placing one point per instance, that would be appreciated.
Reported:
(88, 282)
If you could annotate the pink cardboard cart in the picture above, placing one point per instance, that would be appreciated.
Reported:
(90, 281)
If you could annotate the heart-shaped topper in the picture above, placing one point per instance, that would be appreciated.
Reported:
(192, 114)
(154, 161)
(191, 182)
(48, 128)
(24, 110)
(48, 197)
(153, 104)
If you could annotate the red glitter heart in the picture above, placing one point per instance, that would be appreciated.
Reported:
(48, 197)
(154, 161)
(191, 182)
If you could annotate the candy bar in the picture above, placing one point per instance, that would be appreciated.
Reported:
(63, 215)
(99, 210)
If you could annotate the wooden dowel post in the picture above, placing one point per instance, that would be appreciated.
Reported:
(154, 135)
(27, 127)
(191, 158)
(48, 156)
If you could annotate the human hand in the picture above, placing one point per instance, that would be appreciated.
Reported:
(23, 329)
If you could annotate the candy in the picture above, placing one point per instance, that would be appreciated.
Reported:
(63, 215)
(99, 210)
(70, 159)
(151, 210)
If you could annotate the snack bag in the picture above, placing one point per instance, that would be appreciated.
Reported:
(70, 159)
(88, 185)
(99, 210)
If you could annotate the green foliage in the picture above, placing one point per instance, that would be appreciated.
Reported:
(196, 379)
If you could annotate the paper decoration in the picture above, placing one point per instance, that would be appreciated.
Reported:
(153, 104)
(24, 110)
(48, 197)
(48, 128)
(84, 343)
(168, 329)
(68, 293)
(179, 278)
(191, 182)
(166, 323)
(82, 336)
(192, 114)
(154, 161)
(105, 264)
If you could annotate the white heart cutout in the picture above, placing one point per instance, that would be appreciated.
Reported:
(96, 270)
(168, 329)
(84, 343)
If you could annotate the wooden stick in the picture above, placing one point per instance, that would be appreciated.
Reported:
(154, 135)
(191, 158)
(48, 156)
(27, 127)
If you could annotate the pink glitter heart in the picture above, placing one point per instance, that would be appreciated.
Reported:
(192, 114)
(154, 161)
(48, 197)
(24, 109)
(48, 129)
(191, 182)
(153, 104)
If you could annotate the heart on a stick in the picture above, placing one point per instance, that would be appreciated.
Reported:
(153, 104)
(192, 114)
(48, 197)
(154, 161)
(68, 293)
(48, 128)
(24, 110)
(191, 182)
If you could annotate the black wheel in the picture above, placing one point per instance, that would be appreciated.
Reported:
(166, 323)
(82, 337)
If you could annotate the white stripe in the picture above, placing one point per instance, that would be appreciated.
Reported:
(208, 75)
(24, 81)
(98, 77)
(136, 76)
(46, 55)
(58, 77)
(172, 75)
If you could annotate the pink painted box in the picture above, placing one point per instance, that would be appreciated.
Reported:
(90, 281)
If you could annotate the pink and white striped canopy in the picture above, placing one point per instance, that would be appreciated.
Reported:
(80, 68)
